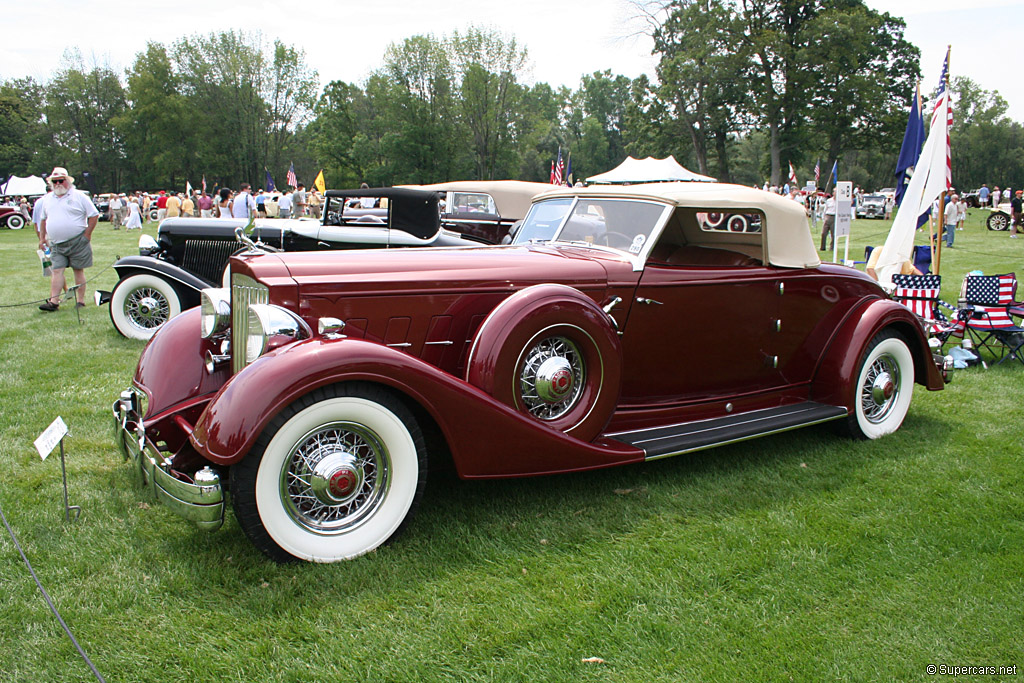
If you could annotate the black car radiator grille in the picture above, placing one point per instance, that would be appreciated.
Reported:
(207, 258)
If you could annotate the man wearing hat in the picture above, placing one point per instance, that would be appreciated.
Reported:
(69, 217)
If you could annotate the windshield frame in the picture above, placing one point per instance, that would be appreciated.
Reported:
(637, 260)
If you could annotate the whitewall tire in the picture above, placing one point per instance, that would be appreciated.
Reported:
(884, 387)
(333, 477)
(141, 303)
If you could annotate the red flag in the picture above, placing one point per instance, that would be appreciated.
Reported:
(551, 178)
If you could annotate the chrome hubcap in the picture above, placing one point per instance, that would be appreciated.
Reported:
(336, 477)
(880, 390)
(552, 378)
(147, 308)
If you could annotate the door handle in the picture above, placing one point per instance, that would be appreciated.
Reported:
(642, 300)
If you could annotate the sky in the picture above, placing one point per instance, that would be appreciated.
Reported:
(346, 40)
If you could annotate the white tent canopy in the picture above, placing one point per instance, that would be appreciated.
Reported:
(32, 185)
(649, 170)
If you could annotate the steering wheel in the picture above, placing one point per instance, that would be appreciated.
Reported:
(604, 238)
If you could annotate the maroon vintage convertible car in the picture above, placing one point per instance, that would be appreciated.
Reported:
(623, 325)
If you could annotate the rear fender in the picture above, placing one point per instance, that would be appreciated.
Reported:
(485, 437)
(836, 375)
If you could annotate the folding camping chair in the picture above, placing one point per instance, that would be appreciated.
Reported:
(920, 293)
(989, 302)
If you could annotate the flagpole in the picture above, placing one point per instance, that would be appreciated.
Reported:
(942, 197)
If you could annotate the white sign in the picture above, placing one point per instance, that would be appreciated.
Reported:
(49, 439)
(844, 207)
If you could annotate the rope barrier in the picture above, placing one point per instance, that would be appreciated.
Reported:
(46, 596)
(67, 295)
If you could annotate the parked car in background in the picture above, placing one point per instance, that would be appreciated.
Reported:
(191, 254)
(888, 192)
(485, 209)
(971, 199)
(10, 217)
(999, 217)
(871, 206)
(623, 324)
(102, 204)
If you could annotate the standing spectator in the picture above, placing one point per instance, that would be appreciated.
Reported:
(222, 207)
(890, 204)
(983, 195)
(1016, 214)
(244, 205)
(828, 225)
(996, 196)
(24, 209)
(161, 206)
(315, 202)
(134, 221)
(205, 204)
(284, 204)
(115, 208)
(299, 201)
(174, 205)
(261, 204)
(949, 215)
(68, 219)
(961, 213)
(188, 207)
(37, 210)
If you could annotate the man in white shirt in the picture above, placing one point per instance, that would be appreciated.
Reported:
(244, 205)
(828, 225)
(116, 211)
(284, 204)
(68, 219)
(949, 216)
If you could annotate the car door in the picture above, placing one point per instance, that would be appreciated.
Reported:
(699, 333)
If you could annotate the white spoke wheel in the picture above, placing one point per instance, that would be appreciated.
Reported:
(884, 387)
(15, 221)
(998, 221)
(141, 303)
(334, 476)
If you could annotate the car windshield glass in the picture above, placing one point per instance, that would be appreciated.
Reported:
(624, 224)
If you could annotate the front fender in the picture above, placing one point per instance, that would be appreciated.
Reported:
(147, 264)
(836, 375)
(485, 437)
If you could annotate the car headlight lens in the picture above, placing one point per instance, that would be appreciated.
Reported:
(215, 304)
(270, 326)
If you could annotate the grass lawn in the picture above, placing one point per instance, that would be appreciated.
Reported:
(802, 556)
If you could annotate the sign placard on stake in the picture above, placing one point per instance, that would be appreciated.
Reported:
(49, 439)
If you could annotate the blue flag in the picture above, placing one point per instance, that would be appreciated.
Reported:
(835, 172)
(270, 181)
(910, 150)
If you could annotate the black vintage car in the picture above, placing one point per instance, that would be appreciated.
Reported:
(191, 254)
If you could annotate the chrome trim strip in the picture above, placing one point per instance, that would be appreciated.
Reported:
(438, 343)
(244, 292)
(744, 438)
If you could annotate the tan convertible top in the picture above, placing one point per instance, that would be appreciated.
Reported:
(512, 197)
(786, 232)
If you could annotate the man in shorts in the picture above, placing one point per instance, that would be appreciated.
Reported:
(69, 217)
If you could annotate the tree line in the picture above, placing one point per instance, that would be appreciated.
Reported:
(743, 89)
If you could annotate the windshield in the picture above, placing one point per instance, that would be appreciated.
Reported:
(624, 224)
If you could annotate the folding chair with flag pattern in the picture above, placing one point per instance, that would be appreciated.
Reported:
(989, 300)
(920, 293)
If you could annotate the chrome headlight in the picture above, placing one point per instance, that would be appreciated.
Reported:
(147, 245)
(270, 326)
(216, 311)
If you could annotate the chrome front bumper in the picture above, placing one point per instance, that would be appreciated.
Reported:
(201, 501)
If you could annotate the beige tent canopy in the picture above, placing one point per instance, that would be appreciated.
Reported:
(649, 170)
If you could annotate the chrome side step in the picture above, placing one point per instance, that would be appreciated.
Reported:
(662, 442)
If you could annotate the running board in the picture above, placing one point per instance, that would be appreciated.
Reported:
(662, 442)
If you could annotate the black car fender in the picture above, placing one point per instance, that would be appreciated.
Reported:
(188, 285)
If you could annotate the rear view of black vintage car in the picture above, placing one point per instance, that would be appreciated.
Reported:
(191, 254)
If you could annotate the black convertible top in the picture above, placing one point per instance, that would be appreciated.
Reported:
(412, 211)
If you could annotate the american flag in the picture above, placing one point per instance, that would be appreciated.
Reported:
(559, 169)
(991, 296)
(920, 293)
(291, 179)
(943, 104)
(817, 171)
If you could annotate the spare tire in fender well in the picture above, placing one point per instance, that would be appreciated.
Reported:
(551, 352)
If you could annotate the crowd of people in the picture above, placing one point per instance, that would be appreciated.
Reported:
(66, 217)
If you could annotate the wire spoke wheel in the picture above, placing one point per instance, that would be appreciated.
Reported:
(148, 308)
(552, 377)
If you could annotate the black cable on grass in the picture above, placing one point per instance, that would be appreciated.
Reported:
(68, 293)
(49, 602)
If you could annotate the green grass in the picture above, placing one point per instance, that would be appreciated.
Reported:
(802, 556)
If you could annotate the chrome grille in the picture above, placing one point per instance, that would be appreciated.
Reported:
(244, 291)
(207, 258)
